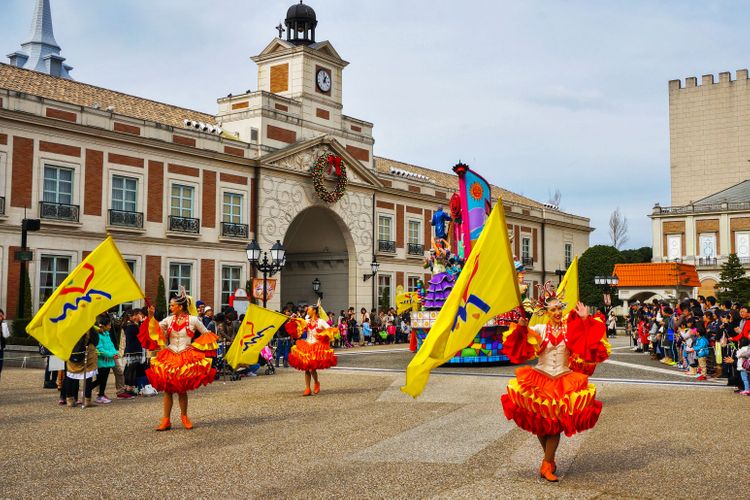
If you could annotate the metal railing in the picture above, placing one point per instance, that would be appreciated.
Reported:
(527, 262)
(708, 262)
(233, 230)
(415, 249)
(58, 211)
(125, 218)
(184, 224)
(387, 246)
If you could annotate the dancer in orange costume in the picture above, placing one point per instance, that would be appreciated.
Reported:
(313, 352)
(555, 395)
(182, 364)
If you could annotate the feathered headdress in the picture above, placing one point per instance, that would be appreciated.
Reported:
(186, 301)
(547, 294)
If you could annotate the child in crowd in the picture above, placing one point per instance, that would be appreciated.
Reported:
(743, 354)
(106, 353)
(701, 353)
(367, 331)
(391, 332)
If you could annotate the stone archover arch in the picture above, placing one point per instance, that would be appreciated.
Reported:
(708, 287)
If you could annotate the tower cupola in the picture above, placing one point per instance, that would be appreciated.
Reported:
(300, 24)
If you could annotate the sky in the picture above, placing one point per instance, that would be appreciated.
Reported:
(535, 95)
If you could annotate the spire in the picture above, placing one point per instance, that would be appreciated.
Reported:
(41, 53)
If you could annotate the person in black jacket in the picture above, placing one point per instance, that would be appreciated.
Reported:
(134, 357)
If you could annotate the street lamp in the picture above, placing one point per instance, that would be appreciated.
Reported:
(560, 273)
(606, 282)
(268, 268)
(374, 266)
(316, 288)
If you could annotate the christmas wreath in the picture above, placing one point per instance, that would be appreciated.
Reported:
(328, 164)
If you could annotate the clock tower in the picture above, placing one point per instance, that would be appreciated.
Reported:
(299, 92)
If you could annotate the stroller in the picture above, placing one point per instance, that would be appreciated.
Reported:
(223, 370)
(266, 358)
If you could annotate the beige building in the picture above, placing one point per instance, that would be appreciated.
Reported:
(184, 192)
(709, 214)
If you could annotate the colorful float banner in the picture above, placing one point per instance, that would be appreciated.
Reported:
(101, 281)
(486, 287)
(256, 331)
(476, 202)
(258, 288)
(406, 301)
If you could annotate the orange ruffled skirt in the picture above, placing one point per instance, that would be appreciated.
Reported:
(180, 372)
(318, 356)
(545, 406)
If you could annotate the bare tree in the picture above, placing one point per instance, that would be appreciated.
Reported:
(618, 228)
(554, 199)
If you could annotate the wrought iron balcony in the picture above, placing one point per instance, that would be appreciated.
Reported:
(125, 218)
(387, 246)
(744, 260)
(415, 249)
(2, 205)
(708, 262)
(527, 262)
(233, 230)
(58, 211)
(184, 224)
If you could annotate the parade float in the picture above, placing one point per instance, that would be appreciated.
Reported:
(454, 233)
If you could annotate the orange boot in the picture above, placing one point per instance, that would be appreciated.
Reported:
(307, 391)
(316, 388)
(164, 425)
(546, 471)
(186, 423)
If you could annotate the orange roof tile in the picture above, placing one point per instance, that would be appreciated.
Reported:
(661, 274)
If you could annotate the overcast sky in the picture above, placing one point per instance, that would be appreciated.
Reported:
(535, 95)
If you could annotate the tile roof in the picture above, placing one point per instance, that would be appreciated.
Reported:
(450, 181)
(656, 274)
(82, 94)
(738, 192)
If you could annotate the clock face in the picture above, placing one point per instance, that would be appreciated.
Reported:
(323, 80)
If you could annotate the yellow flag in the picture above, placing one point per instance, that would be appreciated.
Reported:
(322, 312)
(256, 331)
(567, 290)
(485, 288)
(101, 281)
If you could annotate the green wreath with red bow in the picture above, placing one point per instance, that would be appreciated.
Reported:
(326, 165)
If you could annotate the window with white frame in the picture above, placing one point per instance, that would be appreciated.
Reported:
(230, 281)
(53, 269)
(385, 226)
(526, 248)
(568, 254)
(124, 193)
(181, 200)
(412, 283)
(415, 232)
(384, 291)
(707, 242)
(232, 208)
(180, 274)
(58, 185)
(742, 245)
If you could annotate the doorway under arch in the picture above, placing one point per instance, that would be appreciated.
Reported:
(318, 245)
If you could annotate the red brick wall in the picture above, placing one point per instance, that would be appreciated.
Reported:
(399, 278)
(427, 228)
(517, 241)
(207, 282)
(252, 208)
(414, 210)
(59, 149)
(241, 105)
(153, 270)
(13, 278)
(59, 114)
(415, 189)
(399, 226)
(128, 129)
(234, 151)
(322, 113)
(92, 196)
(130, 161)
(234, 179)
(534, 244)
(185, 141)
(384, 204)
(280, 107)
(387, 183)
(23, 172)
(182, 170)
(3, 139)
(358, 153)
(209, 199)
(281, 134)
(356, 128)
(155, 206)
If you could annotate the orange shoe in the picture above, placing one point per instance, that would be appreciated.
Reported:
(186, 423)
(546, 472)
(316, 388)
(164, 424)
(307, 391)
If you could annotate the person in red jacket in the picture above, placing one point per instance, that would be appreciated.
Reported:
(555, 395)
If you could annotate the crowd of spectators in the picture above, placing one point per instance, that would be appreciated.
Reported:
(700, 337)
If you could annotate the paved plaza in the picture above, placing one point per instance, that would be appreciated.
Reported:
(362, 438)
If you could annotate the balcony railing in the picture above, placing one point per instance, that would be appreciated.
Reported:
(387, 246)
(703, 207)
(2, 205)
(415, 249)
(233, 230)
(184, 224)
(125, 218)
(708, 262)
(58, 211)
(527, 262)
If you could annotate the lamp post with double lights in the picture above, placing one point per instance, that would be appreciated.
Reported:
(268, 268)
(316, 288)
(607, 283)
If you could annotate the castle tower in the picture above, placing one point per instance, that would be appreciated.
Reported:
(41, 53)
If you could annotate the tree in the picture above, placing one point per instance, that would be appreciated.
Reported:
(598, 260)
(618, 228)
(554, 199)
(734, 285)
(161, 296)
(637, 255)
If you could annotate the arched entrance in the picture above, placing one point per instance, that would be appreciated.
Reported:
(708, 287)
(318, 245)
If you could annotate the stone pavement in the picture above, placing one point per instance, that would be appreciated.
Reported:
(362, 438)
